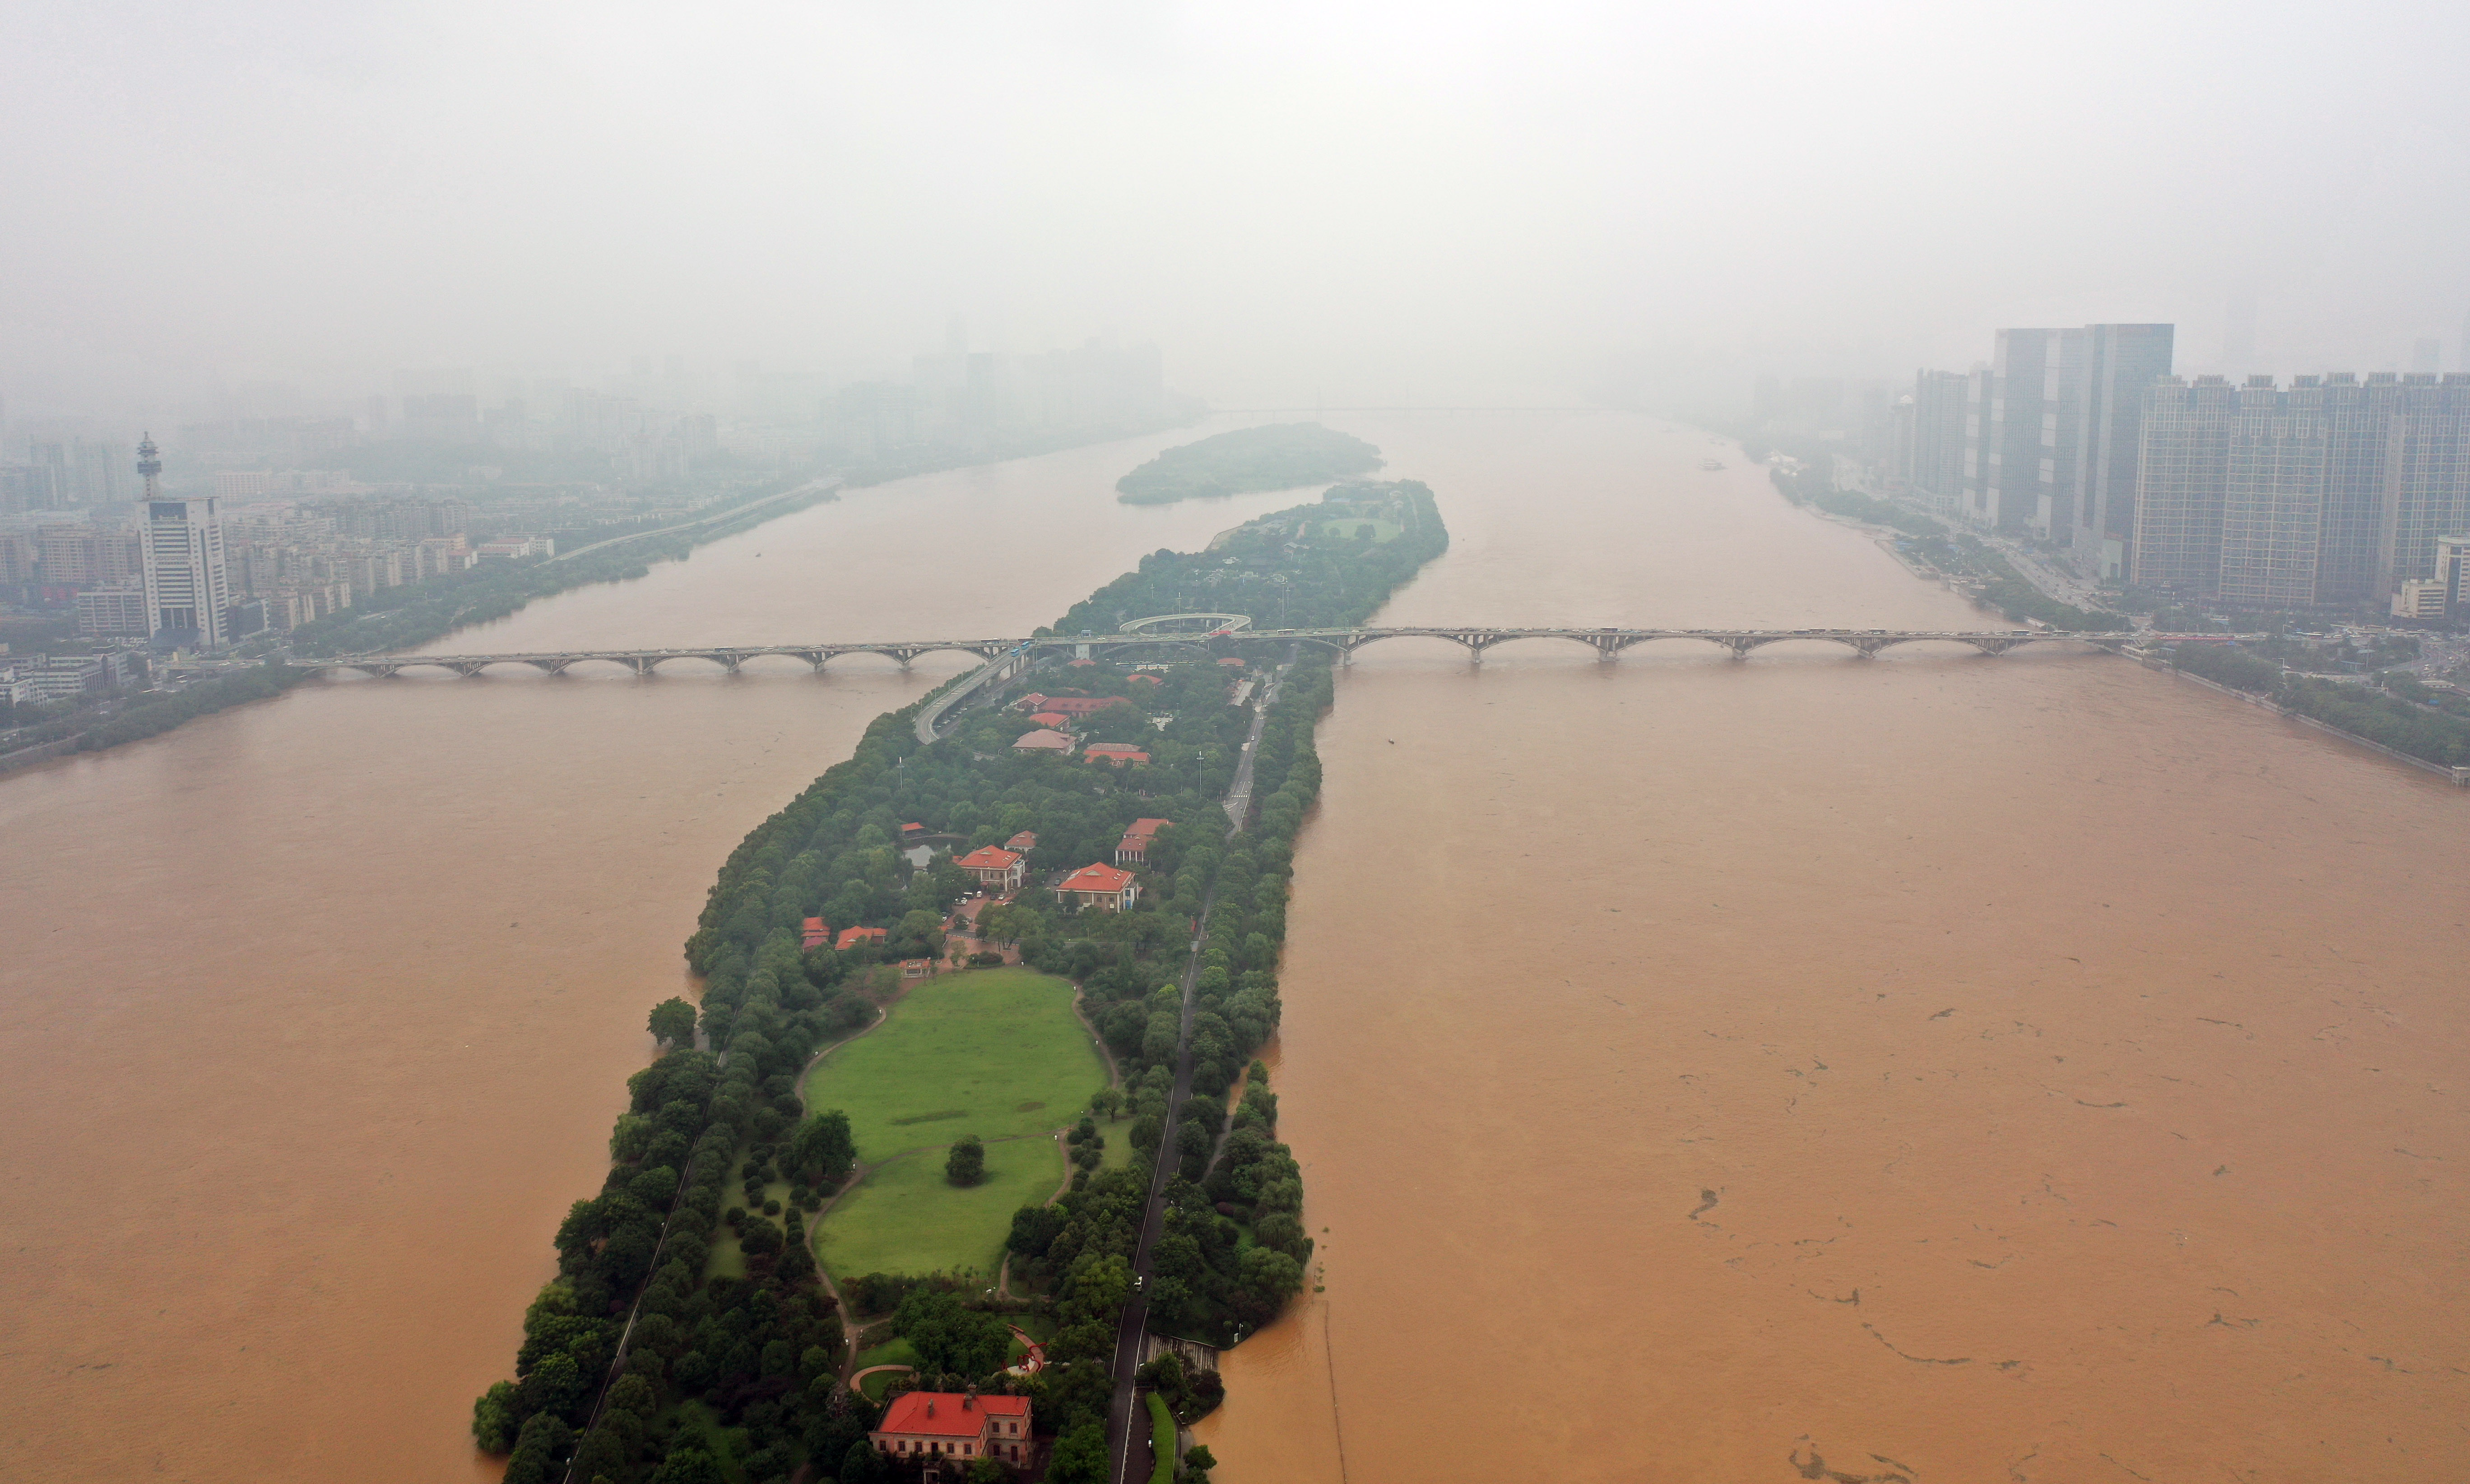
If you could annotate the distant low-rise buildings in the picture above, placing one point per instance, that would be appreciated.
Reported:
(114, 611)
(511, 547)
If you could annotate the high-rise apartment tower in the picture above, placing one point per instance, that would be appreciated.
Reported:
(2121, 363)
(2332, 493)
(188, 593)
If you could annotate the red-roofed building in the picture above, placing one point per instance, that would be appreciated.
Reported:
(1079, 705)
(1043, 740)
(1231, 664)
(1100, 886)
(1145, 679)
(851, 938)
(1083, 663)
(817, 931)
(1001, 869)
(1133, 849)
(1052, 719)
(1033, 702)
(1114, 753)
(1024, 841)
(954, 1424)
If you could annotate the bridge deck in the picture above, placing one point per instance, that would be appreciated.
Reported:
(1474, 638)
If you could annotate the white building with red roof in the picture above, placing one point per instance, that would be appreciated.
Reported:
(1133, 849)
(1102, 886)
(995, 867)
(954, 1424)
(1043, 740)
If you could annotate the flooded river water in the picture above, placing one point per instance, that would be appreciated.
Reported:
(1936, 1067)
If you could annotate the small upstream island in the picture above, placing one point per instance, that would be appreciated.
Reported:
(969, 1007)
(1272, 456)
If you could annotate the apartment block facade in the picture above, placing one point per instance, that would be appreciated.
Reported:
(2332, 492)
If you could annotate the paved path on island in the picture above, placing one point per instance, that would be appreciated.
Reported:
(1123, 1436)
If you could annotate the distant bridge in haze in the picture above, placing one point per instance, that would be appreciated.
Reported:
(1476, 640)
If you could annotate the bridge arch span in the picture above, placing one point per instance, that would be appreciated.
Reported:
(1205, 623)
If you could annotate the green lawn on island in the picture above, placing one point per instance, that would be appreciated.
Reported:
(995, 1052)
(905, 1218)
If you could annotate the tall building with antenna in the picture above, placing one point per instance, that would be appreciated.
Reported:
(188, 593)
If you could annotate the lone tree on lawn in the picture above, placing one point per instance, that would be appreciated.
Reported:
(968, 1165)
(822, 1148)
(673, 1022)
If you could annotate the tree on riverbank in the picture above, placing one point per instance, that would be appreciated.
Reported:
(673, 1022)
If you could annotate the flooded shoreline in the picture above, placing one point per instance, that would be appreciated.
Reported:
(1927, 1068)
(2067, 1016)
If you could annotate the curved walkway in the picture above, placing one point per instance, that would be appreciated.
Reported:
(858, 1382)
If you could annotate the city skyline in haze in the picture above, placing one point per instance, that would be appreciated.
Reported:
(1374, 203)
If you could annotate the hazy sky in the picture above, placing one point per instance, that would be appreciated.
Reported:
(1392, 202)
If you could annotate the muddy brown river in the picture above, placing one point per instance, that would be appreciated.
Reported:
(1934, 1068)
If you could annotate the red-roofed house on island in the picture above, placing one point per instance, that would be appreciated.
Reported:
(1001, 869)
(817, 932)
(851, 938)
(954, 1424)
(1134, 850)
(1043, 740)
(1114, 753)
(1024, 841)
(1102, 886)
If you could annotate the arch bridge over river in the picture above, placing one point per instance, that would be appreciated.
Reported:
(1608, 643)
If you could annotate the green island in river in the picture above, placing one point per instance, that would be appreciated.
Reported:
(904, 1149)
(1272, 456)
